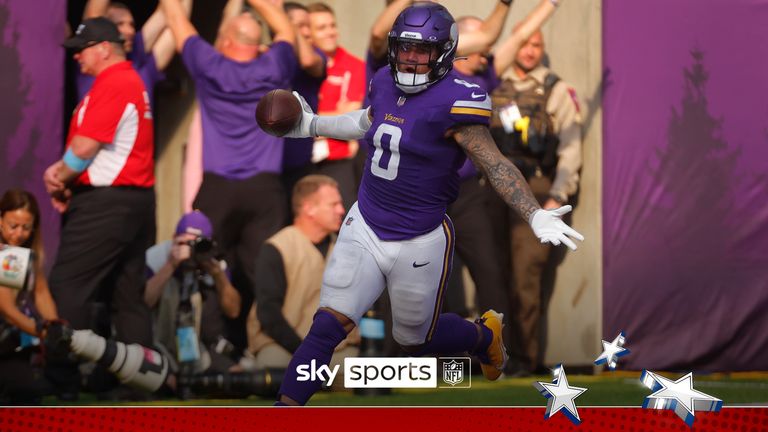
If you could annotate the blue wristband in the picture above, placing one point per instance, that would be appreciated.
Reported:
(75, 163)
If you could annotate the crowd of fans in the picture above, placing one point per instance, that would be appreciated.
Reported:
(234, 290)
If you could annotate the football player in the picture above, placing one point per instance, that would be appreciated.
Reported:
(422, 122)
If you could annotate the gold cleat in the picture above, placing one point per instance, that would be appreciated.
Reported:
(497, 352)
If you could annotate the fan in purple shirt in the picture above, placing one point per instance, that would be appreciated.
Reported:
(241, 192)
(422, 122)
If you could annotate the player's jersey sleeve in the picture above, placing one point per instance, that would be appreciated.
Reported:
(469, 103)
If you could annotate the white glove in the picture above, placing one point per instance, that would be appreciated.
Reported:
(306, 126)
(549, 228)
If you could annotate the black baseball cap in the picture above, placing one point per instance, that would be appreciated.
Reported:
(92, 31)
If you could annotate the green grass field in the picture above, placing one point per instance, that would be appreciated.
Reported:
(620, 389)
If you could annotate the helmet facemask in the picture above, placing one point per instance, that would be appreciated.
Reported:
(415, 62)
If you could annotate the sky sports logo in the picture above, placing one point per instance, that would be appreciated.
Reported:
(393, 372)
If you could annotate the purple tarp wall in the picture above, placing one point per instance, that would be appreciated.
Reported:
(685, 186)
(32, 100)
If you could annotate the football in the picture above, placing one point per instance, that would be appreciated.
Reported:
(278, 112)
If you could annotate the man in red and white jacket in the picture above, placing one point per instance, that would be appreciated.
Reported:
(104, 187)
(342, 91)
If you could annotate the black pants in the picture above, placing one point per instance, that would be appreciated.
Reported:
(100, 262)
(475, 246)
(105, 236)
(244, 213)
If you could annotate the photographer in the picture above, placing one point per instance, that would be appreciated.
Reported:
(190, 293)
(22, 310)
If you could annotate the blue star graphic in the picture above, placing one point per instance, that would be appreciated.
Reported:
(612, 351)
(679, 396)
(560, 395)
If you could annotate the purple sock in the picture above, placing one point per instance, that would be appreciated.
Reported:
(324, 335)
(455, 334)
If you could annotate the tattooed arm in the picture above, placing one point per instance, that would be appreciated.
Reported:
(510, 184)
(503, 174)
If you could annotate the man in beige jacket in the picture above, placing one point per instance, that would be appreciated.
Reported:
(289, 273)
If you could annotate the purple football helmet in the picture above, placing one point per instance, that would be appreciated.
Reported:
(425, 27)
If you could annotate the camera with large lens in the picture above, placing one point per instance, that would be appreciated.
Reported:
(202, 250)
(134, 365)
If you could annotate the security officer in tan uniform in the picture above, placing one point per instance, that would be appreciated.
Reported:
(537, 124)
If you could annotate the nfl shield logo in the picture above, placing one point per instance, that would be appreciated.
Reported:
(401, 101)
(453, 372)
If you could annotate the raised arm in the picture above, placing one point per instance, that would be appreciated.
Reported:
(95, 8)
(178, 22)
(383, 24)
(512, 187)
(277, 21)
(159, 39)
(505, 53)
(309, 59)
(488, 33)
(153, 27)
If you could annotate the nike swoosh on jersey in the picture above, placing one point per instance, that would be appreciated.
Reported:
(476, 96)
(419, 265)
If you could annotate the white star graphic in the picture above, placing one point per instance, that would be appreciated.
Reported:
(612, 351)
(679, 396)
(560, 395)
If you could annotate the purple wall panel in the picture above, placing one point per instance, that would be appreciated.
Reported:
(685, 186)
(32, 89)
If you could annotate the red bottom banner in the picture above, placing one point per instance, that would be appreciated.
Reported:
(192, 419)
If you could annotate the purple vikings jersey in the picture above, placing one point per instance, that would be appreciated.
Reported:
(410, 173)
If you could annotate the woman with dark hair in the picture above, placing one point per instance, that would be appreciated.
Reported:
(24, 310)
